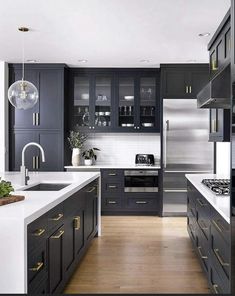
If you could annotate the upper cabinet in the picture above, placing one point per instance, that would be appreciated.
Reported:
(220, 47)
(115, 100)
(181, 81)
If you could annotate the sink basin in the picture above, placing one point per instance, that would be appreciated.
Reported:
(47, 187)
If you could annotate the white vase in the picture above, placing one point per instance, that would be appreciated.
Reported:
(88, 161)
(76, 156)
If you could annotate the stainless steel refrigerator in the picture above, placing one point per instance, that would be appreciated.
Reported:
(185, 150)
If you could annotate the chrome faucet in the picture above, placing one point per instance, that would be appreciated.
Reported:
(23, 169)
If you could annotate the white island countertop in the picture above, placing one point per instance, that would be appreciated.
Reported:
(98, 167)
(220, 203)
(15, 217)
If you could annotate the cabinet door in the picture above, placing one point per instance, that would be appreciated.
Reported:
(198, 80)
(78, 231)
(52, 143)
(17, 141)
(24, 118)
(219, 123)
(55, 266)
(51, 99)
(90, 214)
(175, 84)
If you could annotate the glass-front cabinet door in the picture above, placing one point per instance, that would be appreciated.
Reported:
(103, 101)
(126, 103)
(148, 103)
(81, 108)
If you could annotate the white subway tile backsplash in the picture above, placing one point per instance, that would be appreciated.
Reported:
(121, 148)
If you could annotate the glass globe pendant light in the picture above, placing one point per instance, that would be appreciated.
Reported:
(23, 94)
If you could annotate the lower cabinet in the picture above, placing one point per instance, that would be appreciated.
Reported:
(210, 235)
(58, 240)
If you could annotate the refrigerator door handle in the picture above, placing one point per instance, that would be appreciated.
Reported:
(166, 129)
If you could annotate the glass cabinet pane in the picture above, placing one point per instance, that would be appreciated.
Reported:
(228, 43)
(126, 102)
(148, 102)
(103, 101)
(81, 101)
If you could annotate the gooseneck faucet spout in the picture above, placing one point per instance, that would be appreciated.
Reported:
(23, 169)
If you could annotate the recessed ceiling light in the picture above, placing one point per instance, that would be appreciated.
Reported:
(31, 61)
(205, 34)
(83, 61)
(144, 61)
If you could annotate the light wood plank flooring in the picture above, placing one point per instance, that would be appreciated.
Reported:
(140, 255)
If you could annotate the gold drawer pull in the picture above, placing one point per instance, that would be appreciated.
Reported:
(112, 174)
(217, 226)
(59, 235)
(37, 267)
(141, 202)
(57, 218)
(202, 224)
(214, 66)
(112, 186)
(38, 232)
(112, 202)
(215, 288)
(200, 253)
(190, 89)
(77, 223)
(201, 203)
(221, 261)
(91, 190)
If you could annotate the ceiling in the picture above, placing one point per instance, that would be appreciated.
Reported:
(109, 33)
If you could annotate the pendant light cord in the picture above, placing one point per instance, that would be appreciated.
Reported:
(23, 56)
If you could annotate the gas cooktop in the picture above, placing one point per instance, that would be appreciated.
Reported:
(218, 186)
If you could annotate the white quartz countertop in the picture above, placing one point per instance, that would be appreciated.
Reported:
(112, 166)
(220, 203)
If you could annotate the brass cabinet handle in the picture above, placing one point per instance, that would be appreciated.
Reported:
(112, 174)
(202, 224)
(200, 253)
(217, 226)
(214, 126)
(37, 162)
(201, 203)
(141, 202)
(37, 118)
(77, 223)
(112, 202)
(59, 235)
(215, 288)
(91, 190)
(34, 163)
(190, 89)
(221, 261)
(38, 266)
(214, 66)
(186, 90)
(34, 119)
(38, 232)
(191, 210)
(57, 218)
(112, 186)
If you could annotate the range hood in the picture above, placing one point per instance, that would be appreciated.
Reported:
(216, 94)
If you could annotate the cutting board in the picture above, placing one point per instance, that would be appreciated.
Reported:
(10, 199)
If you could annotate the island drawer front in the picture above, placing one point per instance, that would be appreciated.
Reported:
(192, 229)
(220, 254)
(191, 210)
(111, 203)
(37, 233)
(37, 287)
(37, 265)
(55, 217)
(203, 250)
(217, 284)
(112, 174)
(111, 187)
(73, 204)
(203, 216)
(191, 192)
(148, 204)
(222, 226)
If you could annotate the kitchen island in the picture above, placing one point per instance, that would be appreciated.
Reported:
(15, 219)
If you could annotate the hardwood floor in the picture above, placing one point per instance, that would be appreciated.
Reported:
(140, 255)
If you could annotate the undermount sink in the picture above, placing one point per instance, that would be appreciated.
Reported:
(47, 187)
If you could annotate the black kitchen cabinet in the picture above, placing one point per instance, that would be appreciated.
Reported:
(52, 143)
(58, 240)
(219, 125)
(115, 100)
(181, 81)
(220, 47)
(210, 235)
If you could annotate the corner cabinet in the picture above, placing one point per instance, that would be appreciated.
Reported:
(114, 100)
(44, 123)
(219, 123)
(182, 81)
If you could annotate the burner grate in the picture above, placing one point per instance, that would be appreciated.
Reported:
(218, 186)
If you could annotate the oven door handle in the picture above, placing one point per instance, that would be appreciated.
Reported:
(175, 190)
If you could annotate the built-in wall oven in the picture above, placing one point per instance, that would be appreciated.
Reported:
(141, 180)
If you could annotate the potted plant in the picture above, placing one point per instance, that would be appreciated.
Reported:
(76, 141)
(5, 196)
(89, 155)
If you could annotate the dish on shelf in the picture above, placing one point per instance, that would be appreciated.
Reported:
(147, 124)
(107, 113)
(130, 124)
(123, 124)
(101, 113)
(85, 96)
(129, 98)
(86, 118)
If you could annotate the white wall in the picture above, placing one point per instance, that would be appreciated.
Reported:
(223, 159)
(3, 117)
(121, 148)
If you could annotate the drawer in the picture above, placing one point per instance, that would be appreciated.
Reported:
(191, 211)
(222, 227)
(220, 253)
(55, 217)
(113, 187)
(203, 215)
(148, 204)
(111, 203)
(192, 230)
(203, 250)
(38, 288)
(217, 284)
(112, 174)
(37, 233)
(37, 265)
